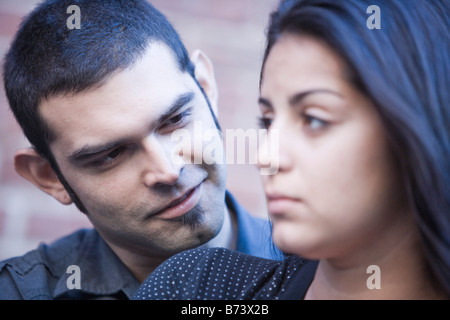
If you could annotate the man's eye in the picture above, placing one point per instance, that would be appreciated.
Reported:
(176, 119)
(109, 158)
(180, 117)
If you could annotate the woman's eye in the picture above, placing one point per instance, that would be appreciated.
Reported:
(264, 122)
(314, 123)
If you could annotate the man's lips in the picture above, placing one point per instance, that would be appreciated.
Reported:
(182, 204)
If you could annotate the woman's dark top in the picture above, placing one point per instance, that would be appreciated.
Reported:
(222, 274)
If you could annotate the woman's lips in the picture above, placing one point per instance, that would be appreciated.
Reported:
(180, 206)
(280, 204)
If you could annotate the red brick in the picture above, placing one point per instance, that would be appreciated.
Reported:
(9, 23)
(231, 33)
(48, 228)
(2, 221)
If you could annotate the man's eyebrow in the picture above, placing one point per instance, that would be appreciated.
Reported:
(86, 152)
(181, 101)
(298, 97)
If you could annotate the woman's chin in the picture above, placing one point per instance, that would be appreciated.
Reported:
(294, 243)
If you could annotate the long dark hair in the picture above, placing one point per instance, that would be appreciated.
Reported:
(403, 67)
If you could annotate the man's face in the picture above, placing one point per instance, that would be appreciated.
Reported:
(113, 146)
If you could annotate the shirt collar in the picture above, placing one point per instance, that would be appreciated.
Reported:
(102, 273)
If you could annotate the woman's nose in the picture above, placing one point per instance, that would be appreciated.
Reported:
(274, 152)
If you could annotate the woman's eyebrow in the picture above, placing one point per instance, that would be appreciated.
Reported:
(298, 97)
(265, 102)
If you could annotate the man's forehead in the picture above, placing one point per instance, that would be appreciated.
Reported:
(154, 81)
(156, 62)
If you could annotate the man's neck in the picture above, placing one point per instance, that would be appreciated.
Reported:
(227, 237)
(141, 267)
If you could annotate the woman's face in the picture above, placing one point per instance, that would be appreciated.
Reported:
(338, 190)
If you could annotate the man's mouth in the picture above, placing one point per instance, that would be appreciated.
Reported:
(182, 204)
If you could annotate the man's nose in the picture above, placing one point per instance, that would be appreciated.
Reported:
(161, 165)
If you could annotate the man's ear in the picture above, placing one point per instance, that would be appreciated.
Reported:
(31, 166)
(204, 73)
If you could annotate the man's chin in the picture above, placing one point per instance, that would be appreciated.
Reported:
(193, 218)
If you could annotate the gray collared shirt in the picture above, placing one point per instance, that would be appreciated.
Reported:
(47, 272)
(82, 266)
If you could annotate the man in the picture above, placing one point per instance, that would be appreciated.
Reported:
(99, 105)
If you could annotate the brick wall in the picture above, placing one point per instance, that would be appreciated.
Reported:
(230, 32)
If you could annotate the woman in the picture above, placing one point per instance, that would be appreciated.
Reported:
(362, 193)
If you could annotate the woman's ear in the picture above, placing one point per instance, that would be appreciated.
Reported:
(204, 73)
(31, 166)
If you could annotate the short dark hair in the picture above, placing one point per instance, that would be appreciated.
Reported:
(404, 68)
(47, 58)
